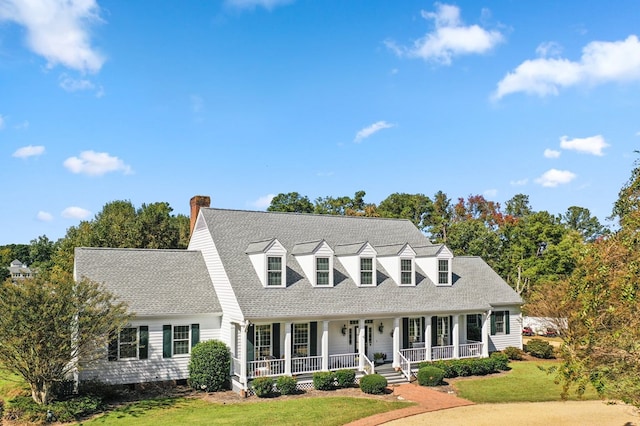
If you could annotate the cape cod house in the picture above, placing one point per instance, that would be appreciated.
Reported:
(297, 293)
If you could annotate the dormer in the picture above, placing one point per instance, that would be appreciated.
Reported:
(268, 258)
(436, 262)
(316, 260)
(399, 261)
(359, 260)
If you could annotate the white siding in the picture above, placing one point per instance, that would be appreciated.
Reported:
(201, 240)
(155, 368)
(499, 342)
(392, 265)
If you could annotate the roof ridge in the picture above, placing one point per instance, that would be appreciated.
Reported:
(140, 249)
(308, 214)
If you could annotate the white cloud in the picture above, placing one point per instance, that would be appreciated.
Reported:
(96, 163)
(601, 62)
(73, 85)
(29, 151)
(552, 178)
(44, 216)
(252, 4)
(591, 145)
(75, 213)
(368, 131)
(520, 182)
(263, 202)
(58, 30)
(450, 38)
(490, 193)
(551, 153)
(549, 49)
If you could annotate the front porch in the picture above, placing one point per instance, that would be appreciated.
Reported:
(303, 348)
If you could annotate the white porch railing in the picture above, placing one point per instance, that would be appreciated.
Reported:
(266, 367)
(442, 352)
(471, 350)
(236, 366)
(308, 364)
(405, 366)
(415, 354)
(369, 367)
(336, 362)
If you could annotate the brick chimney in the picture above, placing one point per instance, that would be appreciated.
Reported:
(196, 203)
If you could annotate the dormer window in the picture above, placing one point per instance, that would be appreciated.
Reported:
(406, 271)
(366, 271)
(316, 260)
(322, 271)
(443, 272)
(274, 271)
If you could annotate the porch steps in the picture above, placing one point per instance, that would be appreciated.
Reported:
(388, 372)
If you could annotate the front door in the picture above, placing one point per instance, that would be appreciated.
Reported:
(367, 339)
(443, 332)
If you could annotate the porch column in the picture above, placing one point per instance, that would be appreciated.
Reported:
(244, 327)
(485, 333)
(456, 337)
(361, 342)
(427, 337)
(325, 345)
(396, 342)
(287, 348)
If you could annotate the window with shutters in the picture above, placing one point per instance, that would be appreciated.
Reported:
(301, 340)
(181, 341)
(128, 343)
(262, 341)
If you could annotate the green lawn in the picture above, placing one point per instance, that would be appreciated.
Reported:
(10, 385)
(325, 410)
(526, 382)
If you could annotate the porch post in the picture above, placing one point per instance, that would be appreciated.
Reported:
(456, 337)
(287, 348)
(325, 345)
(361, 342)
(485, 333)
(427, 337)
(396, 342)
(244, 327)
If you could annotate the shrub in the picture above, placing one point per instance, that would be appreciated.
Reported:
(430, 376)
(540, 348)
(262, 386)
(286, 385)
(513, 353)
(324, 380)
(345, 378)
(500, 361)
(24, 409)
(209, 366)
(373, 384)
(461, 367)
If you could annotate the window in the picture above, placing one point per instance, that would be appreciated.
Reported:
(366, 271)
(415, 330)
(500, 322)
(274, 271)
(406, 271)
(443, 271)
(262, 341)
(300, 340)
(128, 343)
(181, 339)
(322, 271)
(442, 331)
(474, 327)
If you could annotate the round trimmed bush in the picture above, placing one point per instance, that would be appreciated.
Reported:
(540, 348)
(430, 376)
(373, 383)
(513, 353)
(209, 366)
(324, 380)
(345, 378)
(286, 385)
(500, 361)
(262, 386)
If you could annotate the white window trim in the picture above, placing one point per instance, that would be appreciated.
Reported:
(255, 340)
(293, 338)
(449, 273)
(413, 272)
(173, 340)
(374, 277)
(315, 271)
(283, 268)
(137, 345)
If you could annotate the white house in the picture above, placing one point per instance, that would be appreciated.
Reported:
(297, 293)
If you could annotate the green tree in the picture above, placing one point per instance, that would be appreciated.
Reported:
(345, 206)
(156, 227)
(415, 207)
(116, 226)
(580, 219)
(49, 327)
(518, 206)
(41, 250)
(440, 218)
(290, 202)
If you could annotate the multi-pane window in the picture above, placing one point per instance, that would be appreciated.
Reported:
(443, 271)
(322, 271)
(128, 343)
(262, 341)
(406, 271)
(499, 322)
(300, 340)
(366, 271)
(180, 339)
(274, 270)
(415, 330)
(442, 331)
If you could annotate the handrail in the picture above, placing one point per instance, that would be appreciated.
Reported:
(405, 366)
(370, 368)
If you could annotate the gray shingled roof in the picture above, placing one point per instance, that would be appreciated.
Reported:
(476, 286)
(152, 282)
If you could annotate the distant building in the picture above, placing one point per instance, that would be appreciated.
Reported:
(19, 270)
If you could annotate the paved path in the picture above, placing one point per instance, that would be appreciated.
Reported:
(427, 400)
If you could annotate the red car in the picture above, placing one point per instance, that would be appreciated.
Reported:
(527, 331)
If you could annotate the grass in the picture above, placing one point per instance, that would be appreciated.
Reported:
(11, 385)
(324, 410)
(526, 382)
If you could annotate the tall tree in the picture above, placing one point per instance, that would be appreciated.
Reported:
(518, 206)
(40, 251)
(344, 205)
(290, 202)
(415, 207)
(440, 218)
(50, 327)
(156, 227)
(580, 219)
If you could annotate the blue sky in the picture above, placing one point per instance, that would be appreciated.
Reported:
(244, 99)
